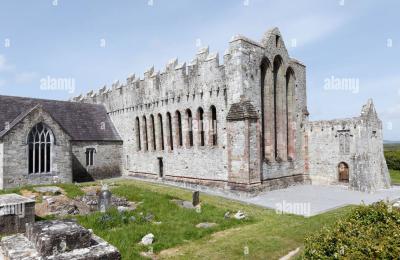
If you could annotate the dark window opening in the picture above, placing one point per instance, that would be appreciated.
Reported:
(160, 167)
(179, 124)
(161, 131)
(170, 133)
(139, 145)
(90, 156)
(153, 132)
(190, 126)
(214, 125)
(201, 126)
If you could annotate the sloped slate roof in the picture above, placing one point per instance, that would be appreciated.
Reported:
(242, 110)
(83, 122)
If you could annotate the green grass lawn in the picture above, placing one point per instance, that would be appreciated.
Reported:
(264, 235)
(395, 176)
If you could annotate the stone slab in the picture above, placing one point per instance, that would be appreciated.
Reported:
(18, 247)
(49, 189)
(14, 199)
(58, 236)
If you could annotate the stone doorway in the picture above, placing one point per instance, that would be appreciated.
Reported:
(343, 171)
(160, 167)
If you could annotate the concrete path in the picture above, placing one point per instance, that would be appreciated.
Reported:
(310, 200)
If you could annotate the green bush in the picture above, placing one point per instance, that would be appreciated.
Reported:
(368, 232)
(393, 159)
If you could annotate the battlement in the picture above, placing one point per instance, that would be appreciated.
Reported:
(176, 79)
(202, 74)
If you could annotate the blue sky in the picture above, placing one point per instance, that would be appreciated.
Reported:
(95, 42)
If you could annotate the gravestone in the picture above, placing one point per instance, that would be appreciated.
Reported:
(15, 212)
(196, 198)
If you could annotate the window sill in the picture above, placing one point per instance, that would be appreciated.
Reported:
(47, 174)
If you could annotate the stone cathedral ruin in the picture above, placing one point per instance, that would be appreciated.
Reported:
(240, 125)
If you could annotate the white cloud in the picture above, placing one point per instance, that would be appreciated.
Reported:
(25, 77)
(4, 65)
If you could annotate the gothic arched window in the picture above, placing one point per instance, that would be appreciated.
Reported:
(189, 127)
(213, 116)
(200, 126)
(40, 140)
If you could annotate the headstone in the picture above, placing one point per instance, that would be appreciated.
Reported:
(104, 199)
(196, 198)
(15, 212)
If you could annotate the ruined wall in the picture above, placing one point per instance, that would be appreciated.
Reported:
(358, 142)
(205, 83)
(15, 169)
(201, 84)
(244, 77)
(1, 164)
(107, 161)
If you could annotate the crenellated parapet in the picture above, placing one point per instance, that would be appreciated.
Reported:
(203, 74)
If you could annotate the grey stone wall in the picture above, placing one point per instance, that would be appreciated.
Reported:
(202, 83)
(1, 164)
(178, 88)
(282, 147)
(15, 153)
(107, 161)
(358, 142)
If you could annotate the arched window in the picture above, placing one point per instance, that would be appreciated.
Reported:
(138, 142)
(161, 131)
(170, 134)
(190, 127)
(200, 125)
(145, 137)
(267, 112)
(153, 132)
(280, 110)
(179, 127)
(40, 140)
(213, 116)
(290, 121)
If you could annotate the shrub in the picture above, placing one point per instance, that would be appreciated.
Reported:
(393, 159)
(368, 232)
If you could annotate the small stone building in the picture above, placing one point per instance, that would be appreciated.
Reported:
(241, 125)
(47, 141)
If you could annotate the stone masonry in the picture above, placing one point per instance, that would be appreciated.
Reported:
(15, 212)
(57, 240)
(241, 124)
